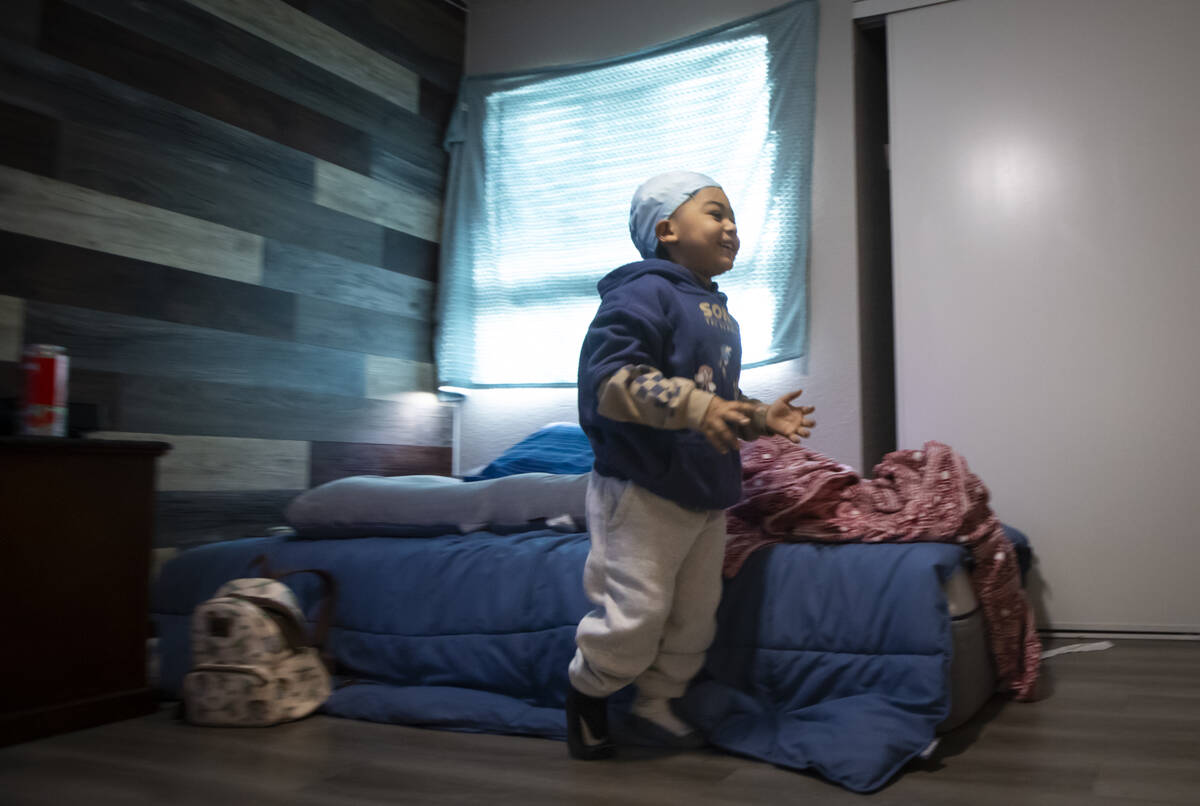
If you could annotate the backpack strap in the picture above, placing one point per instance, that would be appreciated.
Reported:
(254, 671)
(325, 608)
(282, 615)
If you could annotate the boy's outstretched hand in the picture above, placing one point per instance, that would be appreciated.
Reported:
(720, 419)
(790, 421)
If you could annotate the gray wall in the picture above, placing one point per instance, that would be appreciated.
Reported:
(504, 35)
(1045, 177)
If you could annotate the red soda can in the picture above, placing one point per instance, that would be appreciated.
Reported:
(44, 407)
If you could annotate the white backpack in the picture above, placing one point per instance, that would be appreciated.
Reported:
(253, 663)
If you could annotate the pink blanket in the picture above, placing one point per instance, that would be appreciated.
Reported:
(793, 493)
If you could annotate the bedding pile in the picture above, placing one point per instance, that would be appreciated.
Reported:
(793, 493)
(460, 601)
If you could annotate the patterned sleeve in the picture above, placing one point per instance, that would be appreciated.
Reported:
(637, 393)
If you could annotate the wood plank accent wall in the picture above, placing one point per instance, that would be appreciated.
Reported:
(228, 212)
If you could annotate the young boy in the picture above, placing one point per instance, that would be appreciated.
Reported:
(659, 401)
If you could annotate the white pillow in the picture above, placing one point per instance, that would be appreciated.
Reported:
(420, 506)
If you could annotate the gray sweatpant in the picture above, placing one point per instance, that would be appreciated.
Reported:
(654, 576)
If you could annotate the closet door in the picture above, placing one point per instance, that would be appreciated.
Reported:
(1046, 228)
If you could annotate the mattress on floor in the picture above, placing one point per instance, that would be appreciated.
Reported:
(845, 659)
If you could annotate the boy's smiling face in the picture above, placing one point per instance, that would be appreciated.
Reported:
(702, 233)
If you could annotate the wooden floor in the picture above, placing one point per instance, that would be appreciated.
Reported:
(1118, 727)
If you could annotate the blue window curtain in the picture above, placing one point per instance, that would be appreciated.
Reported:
(543, 166)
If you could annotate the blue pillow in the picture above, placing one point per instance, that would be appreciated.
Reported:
(560, 448)
(1021, 544)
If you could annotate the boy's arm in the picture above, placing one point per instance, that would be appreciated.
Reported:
(625, 341)
(783, 419)
(638, 393)
(618, 360)
(757, 427)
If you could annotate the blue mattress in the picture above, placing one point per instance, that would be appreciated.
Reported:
(834, 658)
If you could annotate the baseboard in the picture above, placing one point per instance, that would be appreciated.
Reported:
(35, 723)
(1140, 635)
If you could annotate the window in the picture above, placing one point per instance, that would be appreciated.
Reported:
(544, 167)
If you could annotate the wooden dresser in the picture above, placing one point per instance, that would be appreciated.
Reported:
(76, 529)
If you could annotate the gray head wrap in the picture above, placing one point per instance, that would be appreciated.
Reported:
(657, 199)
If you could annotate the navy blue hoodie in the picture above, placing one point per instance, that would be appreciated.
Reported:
(657, 313)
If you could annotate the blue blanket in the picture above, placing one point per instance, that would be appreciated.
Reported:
(834, 658)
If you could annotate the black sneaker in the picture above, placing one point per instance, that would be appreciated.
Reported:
(587, 727)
